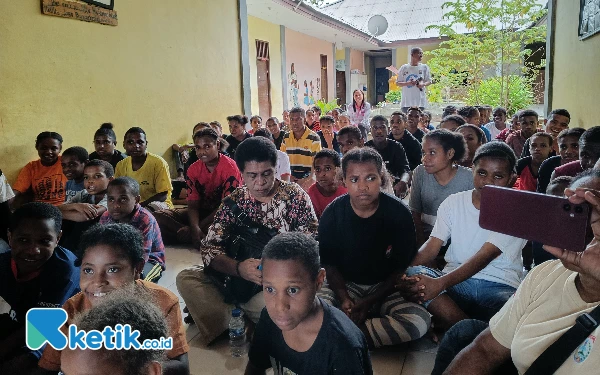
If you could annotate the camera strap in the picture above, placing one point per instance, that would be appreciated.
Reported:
(557, 353)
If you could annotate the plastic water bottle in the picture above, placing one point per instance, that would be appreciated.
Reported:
(237, 334)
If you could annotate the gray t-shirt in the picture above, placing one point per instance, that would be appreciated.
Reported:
(426, 194)
(84, 197)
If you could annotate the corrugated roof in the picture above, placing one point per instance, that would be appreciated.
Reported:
(407, 19)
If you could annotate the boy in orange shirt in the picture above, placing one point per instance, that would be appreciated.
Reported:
(43, 176)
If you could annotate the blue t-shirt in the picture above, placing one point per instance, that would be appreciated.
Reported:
(487, 133)
(58, 281)
(72, 189)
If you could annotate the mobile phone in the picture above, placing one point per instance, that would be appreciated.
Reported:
(547, 219)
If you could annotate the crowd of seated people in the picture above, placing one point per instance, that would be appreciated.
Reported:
(344, 264)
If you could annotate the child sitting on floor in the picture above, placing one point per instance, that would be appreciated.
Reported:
(85, 208)
(210, 179)
(149, 170)
(589, 154)
(140, 313)
(123, 197)
(528, 119)
(568, 146)
(35, 273)
(111, 258)
(328, 135)
(483, 268)
(326, 164)
(366, 238)
(72, 162)
(44, 177)
(105, 143)
(528, 167)
(298, 333)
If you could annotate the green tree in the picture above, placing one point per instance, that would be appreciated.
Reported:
(491, 41)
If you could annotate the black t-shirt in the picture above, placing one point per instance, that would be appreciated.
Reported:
(545, 172)
(279, 140)
(419, 134)
(234, 143)
(527, 152)
(412, 148)
(340, 348)
(522, 164)
(114, 160)
(394, 157)
(367, 251)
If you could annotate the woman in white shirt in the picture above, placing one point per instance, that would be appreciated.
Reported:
(359, 112)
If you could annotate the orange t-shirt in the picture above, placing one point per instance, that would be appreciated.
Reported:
(167, 302)
(48, 183)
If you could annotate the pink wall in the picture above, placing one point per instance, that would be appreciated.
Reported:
(305, 53)
(357, 60)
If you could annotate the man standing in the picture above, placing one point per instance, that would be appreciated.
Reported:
(413, 78)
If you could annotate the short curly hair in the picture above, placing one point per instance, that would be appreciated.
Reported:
(122, 238)
(496, 150)
(258, 149)
(136, 308)
(295, 246)
(36, 210)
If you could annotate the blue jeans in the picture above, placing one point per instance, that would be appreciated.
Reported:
(461, 335)
(480, 299)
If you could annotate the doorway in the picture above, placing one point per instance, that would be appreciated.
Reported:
(324, 95)
(382, 84)
(263, 79)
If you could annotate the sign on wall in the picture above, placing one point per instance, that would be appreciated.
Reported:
(589, 18)
(79, 11)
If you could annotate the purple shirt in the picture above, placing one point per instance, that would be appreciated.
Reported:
(143, 221)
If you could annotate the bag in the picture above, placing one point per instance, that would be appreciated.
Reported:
(247, 241)
(557, 353)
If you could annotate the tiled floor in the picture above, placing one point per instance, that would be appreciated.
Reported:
(412, 359)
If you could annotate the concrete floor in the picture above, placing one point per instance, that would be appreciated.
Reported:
(414, 358)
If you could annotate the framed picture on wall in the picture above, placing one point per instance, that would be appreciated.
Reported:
(589, 18)
(108, 4)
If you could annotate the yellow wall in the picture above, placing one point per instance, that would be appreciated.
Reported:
(576, 81)
(165, 67)
(401, 56)
(340, 54)
(268, 32)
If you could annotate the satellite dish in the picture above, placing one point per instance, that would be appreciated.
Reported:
(377, 25)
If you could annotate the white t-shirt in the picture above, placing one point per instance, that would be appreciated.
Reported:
(6, 192)
(544, 307)
(494, 131)
(411, 95)
(458, 219)
(283, 164)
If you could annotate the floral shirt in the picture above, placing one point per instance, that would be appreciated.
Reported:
(290, 210)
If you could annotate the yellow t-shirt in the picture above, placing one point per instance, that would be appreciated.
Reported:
(544, 307)
(153, 176)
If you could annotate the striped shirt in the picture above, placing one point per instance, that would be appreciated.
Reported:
(301, 152)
